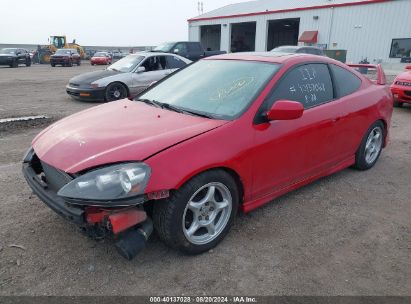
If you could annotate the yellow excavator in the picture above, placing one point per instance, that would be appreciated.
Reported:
(57, 42)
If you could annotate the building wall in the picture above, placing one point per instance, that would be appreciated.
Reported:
(364, 30)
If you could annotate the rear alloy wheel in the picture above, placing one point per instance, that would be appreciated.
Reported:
(115, 91)
(198, 215)
(371, 147)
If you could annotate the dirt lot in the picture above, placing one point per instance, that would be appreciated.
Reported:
(347, 234)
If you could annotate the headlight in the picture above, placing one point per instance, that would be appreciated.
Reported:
(115, 182)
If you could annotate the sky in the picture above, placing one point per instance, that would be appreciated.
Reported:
(100, 22)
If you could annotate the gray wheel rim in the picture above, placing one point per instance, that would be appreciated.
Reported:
(207, 213)
(373, 145)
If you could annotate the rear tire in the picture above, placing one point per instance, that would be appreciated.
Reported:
(14, 64)
(371, 147)
(196, 217)
(28, 62)
(398, 104)
(53, 65)
(79, 63)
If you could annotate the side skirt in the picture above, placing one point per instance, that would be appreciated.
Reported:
(251, 205)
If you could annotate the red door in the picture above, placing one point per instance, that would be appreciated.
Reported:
(288, 152)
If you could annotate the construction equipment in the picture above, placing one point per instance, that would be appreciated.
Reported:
(57, 42)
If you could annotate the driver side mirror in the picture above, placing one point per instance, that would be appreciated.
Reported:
(141, 69)
(285, 110)
(176, 51)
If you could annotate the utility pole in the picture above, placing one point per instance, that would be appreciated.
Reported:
(200, 7)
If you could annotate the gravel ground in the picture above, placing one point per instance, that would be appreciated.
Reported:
(347, 234)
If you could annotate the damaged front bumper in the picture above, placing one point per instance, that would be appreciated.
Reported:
(128, 226)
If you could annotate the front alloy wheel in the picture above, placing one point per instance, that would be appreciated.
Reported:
(197, 216)
(115, 91)
(207, 213)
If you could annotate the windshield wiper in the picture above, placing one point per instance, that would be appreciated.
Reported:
(151, 102)
(198, 114)
(172, 108)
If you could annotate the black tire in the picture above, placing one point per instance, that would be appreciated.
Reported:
(79, 62)
(112, 89)
(168, 214)
(70, 63)
(361, 162)
(28, 62)
(14, 64)
(398, 104)
(53, 65)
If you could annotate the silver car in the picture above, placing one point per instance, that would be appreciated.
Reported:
(125, 78)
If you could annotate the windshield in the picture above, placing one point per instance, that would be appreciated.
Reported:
(8, 51)
(165, 47)
(100, 54)
(220, 89)
(63, 52)
(127, 64)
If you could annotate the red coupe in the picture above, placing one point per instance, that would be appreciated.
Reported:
(100, 58)
(227, 133)
(401, 88)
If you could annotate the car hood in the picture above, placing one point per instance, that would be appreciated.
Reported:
(405, 76)
(92, 76)
(115, 132)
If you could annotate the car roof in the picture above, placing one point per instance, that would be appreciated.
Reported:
(274, 57)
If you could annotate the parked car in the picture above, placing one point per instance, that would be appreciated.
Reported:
(118, 55)
(124, 78)
(401, 88)
(14, 56)
(101, 58)
(299, 50)
(227, 133)
(65, 57)
(191, 50)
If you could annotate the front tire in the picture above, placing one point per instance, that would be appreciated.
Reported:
(371, 147)
(199, 215)
(115, 91)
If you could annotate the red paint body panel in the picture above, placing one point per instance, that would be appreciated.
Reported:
(121, 221)
(115, 132)
(402, 87)
(291, 10)
(269, 159)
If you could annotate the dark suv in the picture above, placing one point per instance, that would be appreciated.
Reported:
(14, 56)
(65, 57)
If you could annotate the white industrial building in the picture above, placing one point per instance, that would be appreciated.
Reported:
(379, 30)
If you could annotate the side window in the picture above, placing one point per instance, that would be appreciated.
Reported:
(194, 47)
(181, 47)
(174, 63)
(154, 63)
(309, 84)
(345, 82)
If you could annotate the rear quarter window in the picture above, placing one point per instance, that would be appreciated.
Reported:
(345, 82)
